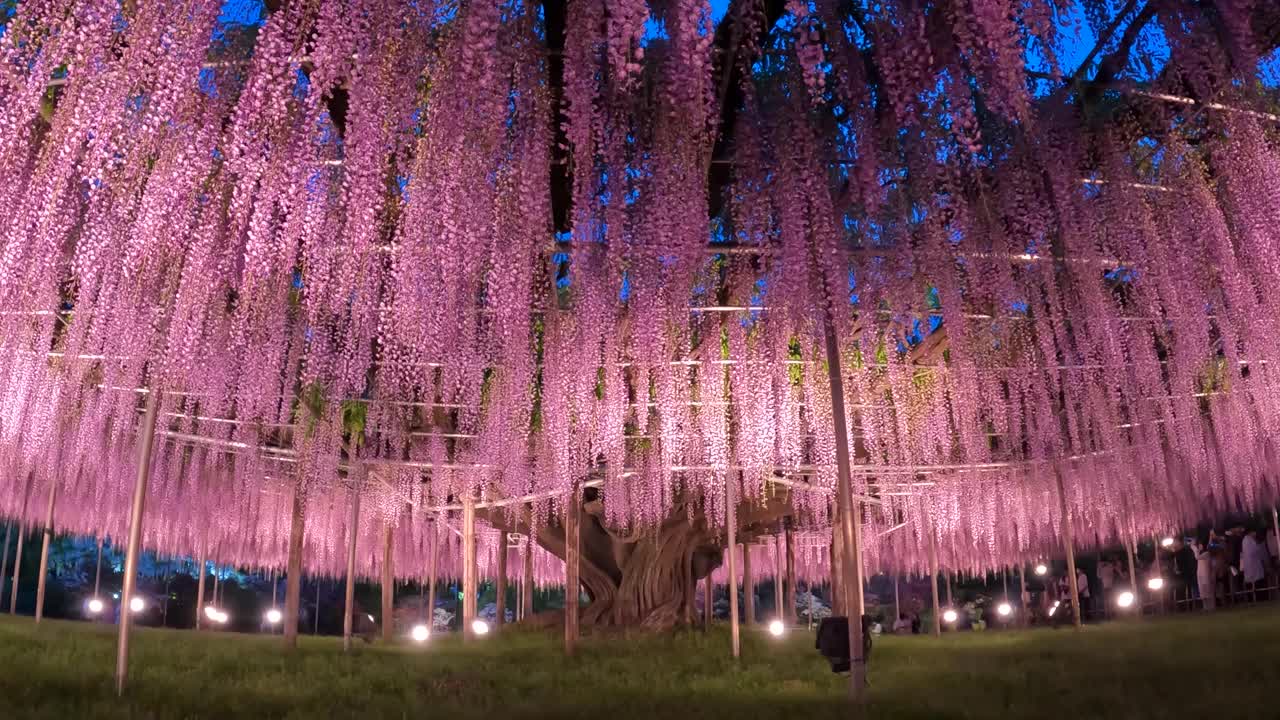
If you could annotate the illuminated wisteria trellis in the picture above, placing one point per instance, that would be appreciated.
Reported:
(518, 257)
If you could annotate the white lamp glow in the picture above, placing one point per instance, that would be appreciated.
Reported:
(274, 616)
(1155, 583)
(1004, 609)
(1167, 542)
(479, 627)
(221, 617)
(137, 604)
(1125, 599)
(1041, 569)
(420, 633)
(776, 628)
(95, 606)
(950, 616)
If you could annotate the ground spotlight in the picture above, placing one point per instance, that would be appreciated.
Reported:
(216, 615)
(1167, 542)
(1041, 569)
(1155, 583)
(777, 628)
(95, 606)
(1125, 599)
(137, 604)
(479, 627)
(1054, 609)
(274, 616)
(420, 633)
(1004, 609)
(950, 616)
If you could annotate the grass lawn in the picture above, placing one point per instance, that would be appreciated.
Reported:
(1221, 666)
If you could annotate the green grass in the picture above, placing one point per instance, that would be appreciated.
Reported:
(1220, 666)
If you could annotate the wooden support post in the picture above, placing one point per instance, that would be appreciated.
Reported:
(933, 578)
(469, 582)
(837, 582)
(353, 532)
(572, 549)
(1131, 549)
(199, 593)
(4, 558)
(527, 611)
(501, 583)
(388, 584)
(779, 572)
(850, 530)
(946, 576)
(97, 572)
(293, 581)
(17, 555)
(146, 442)
(897, 605)
(1069, 543)
(790, 599)
(731, 546)
(42, 579)
(708, 599)
(748, 588)
(433, 571)
(1025, 616)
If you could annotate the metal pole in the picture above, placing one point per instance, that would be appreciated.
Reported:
(501, 584)
(731, 545)
(946, 576)
(388, 584)
(293, 579)
(1068, 541)
(748, 588)
(468, 564)
(17, 556)
(1023, 617)
(146, 443)
(353, 531)
(316, 620)
(42, 580)
(97, 573)
(1005, 572)
(571, 582)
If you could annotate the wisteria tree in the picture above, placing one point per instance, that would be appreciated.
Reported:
(580, 257)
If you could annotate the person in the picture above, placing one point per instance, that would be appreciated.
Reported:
(1184, 568)
(1082, 587)
(1205, 574)
(1108, 574)
(1253, 561)
(902, 626)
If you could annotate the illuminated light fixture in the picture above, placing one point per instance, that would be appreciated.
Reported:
(1167, 542)
(1041, 569)
(420, 633)
(216, 615)
(777, 628)
(370, 618)
(1054, 609)
(95, 606)
(950, 616)
(479, 627)
(1004, 609)
(274, 616)
(137, 604)
(1125, 599)
(1155, 583)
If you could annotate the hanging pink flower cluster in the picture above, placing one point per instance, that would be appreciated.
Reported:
(473, 249)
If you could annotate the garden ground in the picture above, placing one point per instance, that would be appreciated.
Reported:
(1197, 666)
